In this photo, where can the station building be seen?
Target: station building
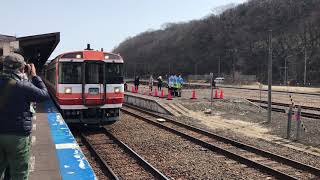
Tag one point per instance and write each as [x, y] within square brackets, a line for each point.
[36, 49]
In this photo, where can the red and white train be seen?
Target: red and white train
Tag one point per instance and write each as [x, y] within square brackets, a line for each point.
[87, 86]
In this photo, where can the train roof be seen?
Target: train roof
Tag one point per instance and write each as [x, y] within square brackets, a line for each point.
[87, 55]
[90, 55]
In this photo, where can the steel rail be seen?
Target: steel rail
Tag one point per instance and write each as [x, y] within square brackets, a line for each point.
[146, 165]
[217, 149]
[267, 154]
[284, 104]
[103, 164]
[277, 91]
[303, 114]
[276, 109]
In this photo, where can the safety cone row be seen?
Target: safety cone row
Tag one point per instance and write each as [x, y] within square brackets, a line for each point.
[221, 96]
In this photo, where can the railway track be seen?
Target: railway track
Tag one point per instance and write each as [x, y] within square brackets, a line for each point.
[283, 107]
[267, 162]
[116, 159]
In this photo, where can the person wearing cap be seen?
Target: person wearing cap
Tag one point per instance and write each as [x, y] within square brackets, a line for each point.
[16, 119]
[160, 82]
[151, 83]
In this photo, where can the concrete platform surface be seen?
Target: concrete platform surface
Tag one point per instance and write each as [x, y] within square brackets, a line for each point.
[55, 153]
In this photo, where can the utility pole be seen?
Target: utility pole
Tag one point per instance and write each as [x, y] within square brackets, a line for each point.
[305, 66]
[305, 56]
[219, 70]
[270, 76]
[233, 66]
[134, 72]
[285, 72]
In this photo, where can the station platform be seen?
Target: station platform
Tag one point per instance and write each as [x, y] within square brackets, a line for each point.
[159, 104]
[55, 153]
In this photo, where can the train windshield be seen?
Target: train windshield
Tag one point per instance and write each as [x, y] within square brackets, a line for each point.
[114, 73]
[69, 73]
[94, 73]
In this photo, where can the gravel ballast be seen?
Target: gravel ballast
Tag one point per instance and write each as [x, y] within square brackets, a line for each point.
[177, 157]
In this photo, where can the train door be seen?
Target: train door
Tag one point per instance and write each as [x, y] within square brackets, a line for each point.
[93, 88]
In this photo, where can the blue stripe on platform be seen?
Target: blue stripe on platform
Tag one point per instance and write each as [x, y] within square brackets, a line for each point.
[72, 162]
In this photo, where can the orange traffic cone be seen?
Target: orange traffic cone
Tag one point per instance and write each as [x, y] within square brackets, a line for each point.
[193, 95]
[162, 94]
[216, 95]
[221, 94]
[156, 93]
[169, 95]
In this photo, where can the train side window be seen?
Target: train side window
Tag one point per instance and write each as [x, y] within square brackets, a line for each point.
[70, 73]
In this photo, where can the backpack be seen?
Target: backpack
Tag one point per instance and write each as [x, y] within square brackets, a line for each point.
[8, 83]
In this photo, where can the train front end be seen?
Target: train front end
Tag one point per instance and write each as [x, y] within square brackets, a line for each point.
[90, 88]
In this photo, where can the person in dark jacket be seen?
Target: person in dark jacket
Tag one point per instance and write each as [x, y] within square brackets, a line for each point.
[136, 83]
[16, 95]
[160, 82]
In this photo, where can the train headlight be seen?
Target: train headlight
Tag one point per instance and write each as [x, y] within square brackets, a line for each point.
[68, 90]
[117, 89]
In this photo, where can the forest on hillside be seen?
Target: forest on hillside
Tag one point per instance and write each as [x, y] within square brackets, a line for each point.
[237, 39]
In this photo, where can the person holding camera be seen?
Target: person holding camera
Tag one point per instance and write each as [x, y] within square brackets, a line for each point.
[16, 95]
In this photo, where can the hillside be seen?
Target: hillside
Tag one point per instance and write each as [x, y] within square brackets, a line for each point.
[239, 38]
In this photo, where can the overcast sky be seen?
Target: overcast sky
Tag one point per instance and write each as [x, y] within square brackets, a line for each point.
[102, 23]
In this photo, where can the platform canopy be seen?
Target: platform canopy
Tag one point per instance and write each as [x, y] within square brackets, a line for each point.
[38, 48]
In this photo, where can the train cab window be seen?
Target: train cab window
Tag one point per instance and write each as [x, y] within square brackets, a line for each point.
[114, 73]
[114, 69]
[94, 73]
[70, 73]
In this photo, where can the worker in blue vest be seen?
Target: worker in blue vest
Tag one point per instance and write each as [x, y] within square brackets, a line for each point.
[170, 84]
[179, 85]
[175, 85]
